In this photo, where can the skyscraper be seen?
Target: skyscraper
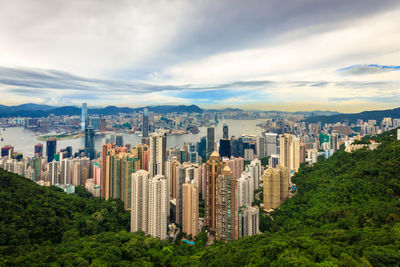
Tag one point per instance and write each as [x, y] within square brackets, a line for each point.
[226, 206]
[214, 168]
[119, 140]
[260, 146]
[38, 151]
[275, 186]
[248, 221]
[236, 165]
[158, 143]
[190, 210]
[158, 206]
[225, 131]
[119, 167]
[145, 123]
[210, 140]
[51, 148]
[270, 143]
[139, 206]
[290, 152]
[90, 152]
[105, 149]
[225, 148]
[84, 117]
[180, 180]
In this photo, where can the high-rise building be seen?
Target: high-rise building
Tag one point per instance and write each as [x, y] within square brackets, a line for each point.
[210, 140]
[248, 221]
[119, 167]
[158, 206]
[202, 148]
[255, 169]
[51, 148]
[119, 140]
[145, 123]
[140, 150]
[192, 153]
[37, 168]
[54, 168]
[38, 151]
[84, 117]
[190, 210]
[290, 152]
[275, 186]
[227, 209]
[214, 168]
[139, 206]
[260, 146]
[245, 189]
[90, 151]
[105, 149]
[103, 126]
[225, 148]
[180, 180]
[6, 150]
[158, 143]
[236, 165]
[95, 122]
[225, 131]
[170, 172]
[270, 143]
[66, 171]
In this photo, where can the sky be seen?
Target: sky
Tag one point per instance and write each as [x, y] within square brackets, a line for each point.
[294, 55]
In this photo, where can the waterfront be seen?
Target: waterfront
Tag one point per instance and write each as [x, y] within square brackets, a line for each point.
[23, 140]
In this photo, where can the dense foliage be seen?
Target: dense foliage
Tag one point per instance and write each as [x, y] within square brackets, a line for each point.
[346, 213]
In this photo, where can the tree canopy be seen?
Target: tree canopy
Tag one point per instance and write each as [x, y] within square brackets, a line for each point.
[346, 213]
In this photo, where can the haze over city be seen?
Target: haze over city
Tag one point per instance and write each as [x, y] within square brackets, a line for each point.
[263, 55]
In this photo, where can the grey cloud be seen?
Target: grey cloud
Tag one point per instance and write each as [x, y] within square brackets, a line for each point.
[222, 26]
[367, 69]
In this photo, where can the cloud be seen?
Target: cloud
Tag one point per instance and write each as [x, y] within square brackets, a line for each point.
[367, 69]
[204, 52]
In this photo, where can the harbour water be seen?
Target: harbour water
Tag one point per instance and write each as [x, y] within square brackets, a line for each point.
[23, 140]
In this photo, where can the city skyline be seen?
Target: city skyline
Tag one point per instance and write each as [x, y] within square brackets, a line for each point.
[302, 56]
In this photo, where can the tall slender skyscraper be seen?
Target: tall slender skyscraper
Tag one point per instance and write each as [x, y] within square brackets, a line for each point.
[90, 152]
[158, 148]
[270, 144]
[145, 123]
[51, 148]
[190, 211]
[38, 150]
[290, 152]
[260, 146]
[225, 131]
[139, 206]
[214, 168]
[119, 140]
[227, 209]
[210, 140]
[105, 149]
[158, 206]
[84, 117]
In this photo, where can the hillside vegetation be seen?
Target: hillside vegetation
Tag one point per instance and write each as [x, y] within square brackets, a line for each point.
[346, 213]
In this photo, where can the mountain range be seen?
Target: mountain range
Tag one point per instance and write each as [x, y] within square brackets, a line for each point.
[377, 115]
[35, 110]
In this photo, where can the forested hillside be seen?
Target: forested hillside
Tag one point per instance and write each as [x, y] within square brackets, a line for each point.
[346, 213]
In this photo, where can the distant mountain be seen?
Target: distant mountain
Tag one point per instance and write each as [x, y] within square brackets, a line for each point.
[36, 111]
[224, 110]
[318, 113]
[353, 117]
[28, 106]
